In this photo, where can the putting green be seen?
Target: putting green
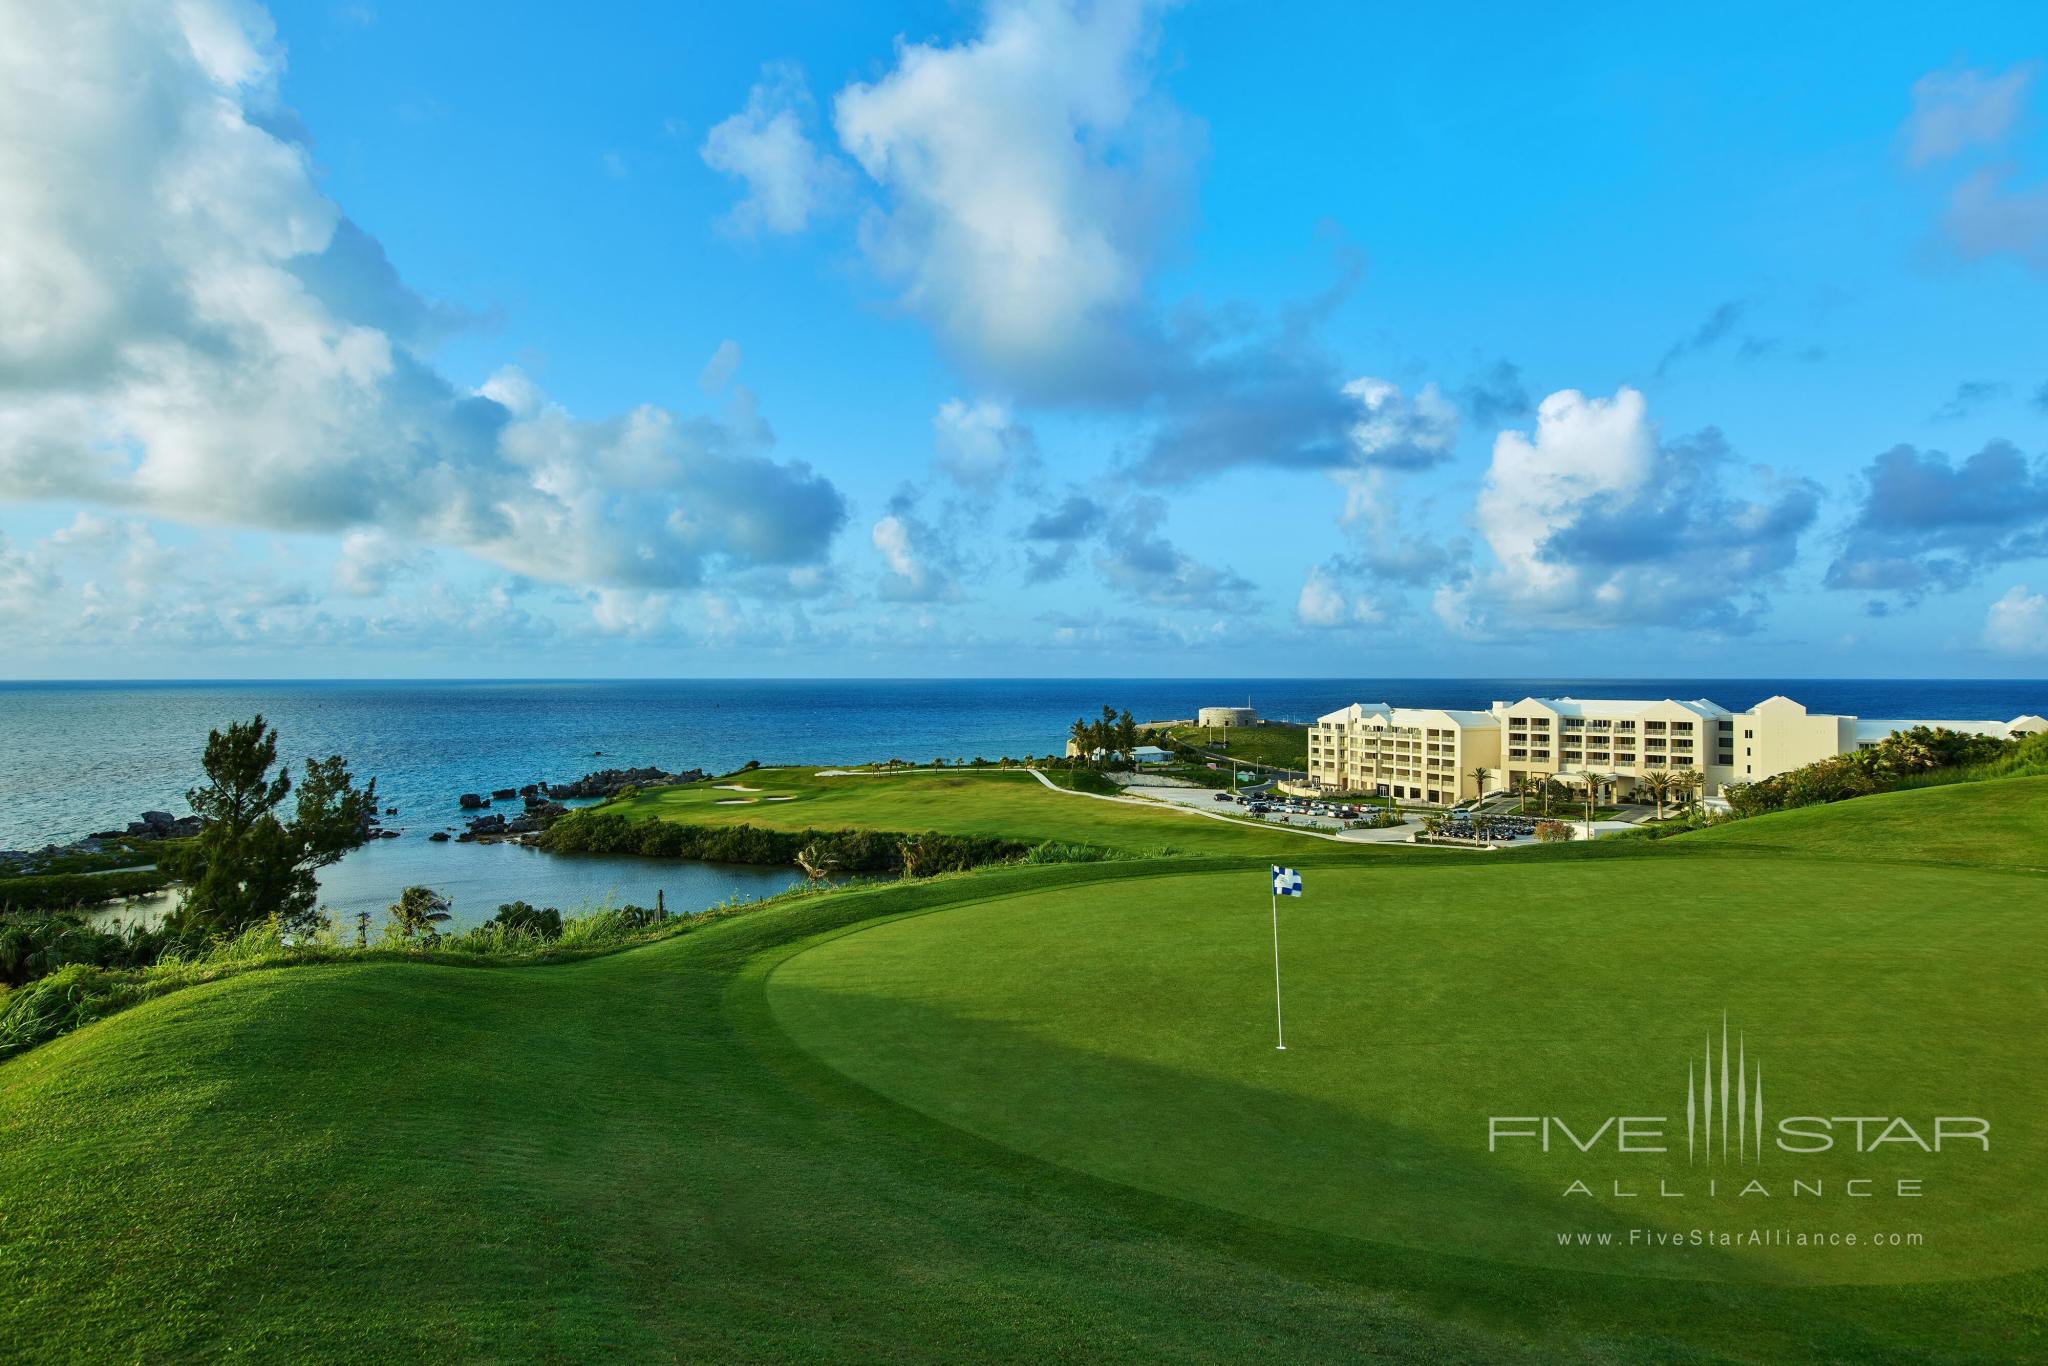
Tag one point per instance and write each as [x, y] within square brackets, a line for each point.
[1126, 1030]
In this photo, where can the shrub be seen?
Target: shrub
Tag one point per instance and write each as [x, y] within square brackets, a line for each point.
[69, 891]
[844, 851]
[1553, 832]
[524, 917]
[1062, 851]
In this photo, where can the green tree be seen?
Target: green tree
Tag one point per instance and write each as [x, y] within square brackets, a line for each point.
[1657, 782]
[248, 864]
[418, 914]
[1083, 736]
[1479, 777]
[1685, 785]
[1127, 734]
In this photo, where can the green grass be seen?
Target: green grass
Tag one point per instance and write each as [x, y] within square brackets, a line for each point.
[1419, 1005]
[1033, 1113]
[1008, 804]
[2002, 823]
[1281, 746]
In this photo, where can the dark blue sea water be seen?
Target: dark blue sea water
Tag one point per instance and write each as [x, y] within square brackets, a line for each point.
[76, 757]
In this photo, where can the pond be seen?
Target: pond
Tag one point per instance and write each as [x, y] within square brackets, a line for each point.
[478, 878]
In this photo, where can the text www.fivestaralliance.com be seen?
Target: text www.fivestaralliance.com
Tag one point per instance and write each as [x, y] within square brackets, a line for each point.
[1738, 1238]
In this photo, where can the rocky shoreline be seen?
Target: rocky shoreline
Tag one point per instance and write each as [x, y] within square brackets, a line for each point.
[540, 804]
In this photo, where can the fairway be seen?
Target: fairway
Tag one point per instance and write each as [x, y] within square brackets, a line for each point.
[1423, 1000]
[1009, 804]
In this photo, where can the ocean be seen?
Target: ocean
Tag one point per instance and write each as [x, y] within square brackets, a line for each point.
[78, 757]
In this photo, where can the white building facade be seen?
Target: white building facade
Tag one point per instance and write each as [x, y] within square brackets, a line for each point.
[1442, 756]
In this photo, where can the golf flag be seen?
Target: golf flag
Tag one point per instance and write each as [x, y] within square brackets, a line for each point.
[1286, 882]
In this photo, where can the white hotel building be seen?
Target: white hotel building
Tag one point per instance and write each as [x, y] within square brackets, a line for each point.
[1437, 756]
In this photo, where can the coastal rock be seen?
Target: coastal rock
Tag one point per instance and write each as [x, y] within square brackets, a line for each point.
[439, 837]
[504, 794]
[612, 781]
[470, 801]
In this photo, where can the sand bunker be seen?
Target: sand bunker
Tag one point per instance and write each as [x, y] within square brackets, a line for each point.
[735, 787]
[733, 801]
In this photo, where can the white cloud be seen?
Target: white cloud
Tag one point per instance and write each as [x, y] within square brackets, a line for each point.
[1960, 107]
[194, 331]
[918, 562]
[1030, 171]
[789, 182]
[980, 444]
[719, 370]
[1395, 431]
[1324, 603]
[370, 559]
[1595, 522]
[1989, 216]
[1583, 448]
[619, 611]
[2018, 622]
[1138, 558]
[1992, 210]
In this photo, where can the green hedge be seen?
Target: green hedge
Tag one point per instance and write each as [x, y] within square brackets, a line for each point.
[64, 891]
[846, 851]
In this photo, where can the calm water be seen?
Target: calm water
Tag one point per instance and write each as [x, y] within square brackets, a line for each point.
[76, 757]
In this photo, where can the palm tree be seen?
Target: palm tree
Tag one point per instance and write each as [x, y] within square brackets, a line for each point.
[1657, 782]
[1080, 735]
[1685, 785]
[1592, 781]
[1479, 777]
[419, 912]
[816, 863]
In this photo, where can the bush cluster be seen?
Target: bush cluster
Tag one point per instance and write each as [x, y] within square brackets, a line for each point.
[66, 891]
[33, 946]
[1892, 762]
[843, 851]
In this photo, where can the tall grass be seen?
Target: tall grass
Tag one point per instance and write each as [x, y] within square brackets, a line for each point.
[79, 993]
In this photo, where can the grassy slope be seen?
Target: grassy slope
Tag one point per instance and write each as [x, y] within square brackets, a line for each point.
[625, 1157]
[1280, 745]
[613, 1159]
[973, 802]
[2003, 824]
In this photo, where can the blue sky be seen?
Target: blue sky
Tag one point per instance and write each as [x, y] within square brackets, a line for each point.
[1033, 338]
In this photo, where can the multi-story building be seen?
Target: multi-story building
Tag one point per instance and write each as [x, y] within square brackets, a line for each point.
[1616, 741]
[1440, 756]
[1421, 754]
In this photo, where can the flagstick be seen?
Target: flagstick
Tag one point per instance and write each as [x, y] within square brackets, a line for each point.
[1279, 1020]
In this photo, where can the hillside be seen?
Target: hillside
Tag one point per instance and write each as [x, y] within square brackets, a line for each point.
[1035, 1112]
[2002, 823]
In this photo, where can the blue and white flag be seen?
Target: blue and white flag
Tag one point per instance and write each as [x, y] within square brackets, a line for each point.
[1286, 882]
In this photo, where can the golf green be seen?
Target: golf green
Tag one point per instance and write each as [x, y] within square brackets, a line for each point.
[1127, 1030]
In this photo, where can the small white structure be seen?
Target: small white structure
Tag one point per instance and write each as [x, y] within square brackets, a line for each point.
[1151, 754]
